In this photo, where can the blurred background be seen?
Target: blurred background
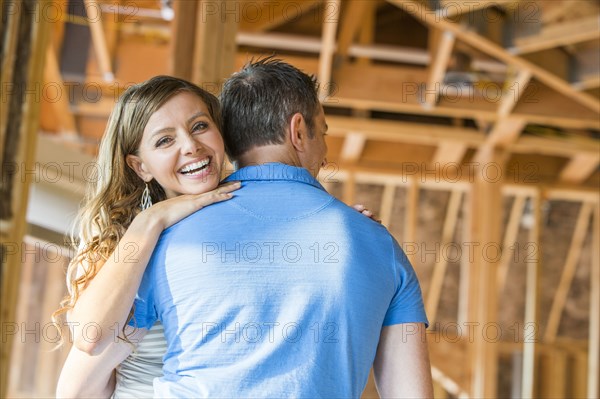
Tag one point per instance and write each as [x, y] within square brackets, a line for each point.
[471, 128]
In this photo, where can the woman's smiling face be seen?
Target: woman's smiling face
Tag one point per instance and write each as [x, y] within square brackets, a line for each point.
[181, 147]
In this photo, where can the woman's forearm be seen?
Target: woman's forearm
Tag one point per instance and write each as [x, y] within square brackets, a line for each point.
[104, 305]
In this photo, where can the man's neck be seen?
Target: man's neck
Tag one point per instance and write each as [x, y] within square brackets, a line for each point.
[267, 154]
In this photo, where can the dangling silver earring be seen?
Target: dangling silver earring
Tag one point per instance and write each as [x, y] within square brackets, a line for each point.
[146, 199]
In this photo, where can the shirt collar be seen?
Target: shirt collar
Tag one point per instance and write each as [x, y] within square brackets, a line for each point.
[273, 172]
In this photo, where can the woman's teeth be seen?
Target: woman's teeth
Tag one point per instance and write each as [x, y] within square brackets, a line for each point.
[195, 168]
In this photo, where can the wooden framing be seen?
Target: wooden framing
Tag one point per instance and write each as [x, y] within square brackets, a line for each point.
[532, 299]
[494, 50]
[330, 22]
[563, 34]
[568, 272]
[99, 41]
[11, 264]
[510, 238]
[214, 46]
[439, 271]
[437, 68]
[593, 390]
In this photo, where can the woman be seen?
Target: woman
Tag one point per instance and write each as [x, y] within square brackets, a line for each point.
[162, 146]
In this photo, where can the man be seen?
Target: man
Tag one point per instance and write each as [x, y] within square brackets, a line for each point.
[282, 291]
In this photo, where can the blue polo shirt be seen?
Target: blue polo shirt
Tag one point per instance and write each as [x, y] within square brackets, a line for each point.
[280, 292]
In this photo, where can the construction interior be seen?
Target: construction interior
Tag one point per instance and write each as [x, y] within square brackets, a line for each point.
[472, 129]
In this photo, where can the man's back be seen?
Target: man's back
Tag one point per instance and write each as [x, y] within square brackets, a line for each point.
[279, 292]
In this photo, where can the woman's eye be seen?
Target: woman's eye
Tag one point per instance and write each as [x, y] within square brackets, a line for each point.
[163, 141]
[199, 127]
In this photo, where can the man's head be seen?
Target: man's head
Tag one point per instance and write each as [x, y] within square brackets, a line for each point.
[272, 104]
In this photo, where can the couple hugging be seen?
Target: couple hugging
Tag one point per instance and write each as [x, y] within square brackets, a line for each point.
[276, 289]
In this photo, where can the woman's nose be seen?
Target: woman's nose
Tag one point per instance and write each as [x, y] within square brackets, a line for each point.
[189, 146]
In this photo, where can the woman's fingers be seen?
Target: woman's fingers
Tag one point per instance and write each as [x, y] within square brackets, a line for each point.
[361, 208]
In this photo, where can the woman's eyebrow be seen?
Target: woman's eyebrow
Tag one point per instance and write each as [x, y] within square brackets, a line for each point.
[168, 129]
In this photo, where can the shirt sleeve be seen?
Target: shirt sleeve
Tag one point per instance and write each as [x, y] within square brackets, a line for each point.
[407, 304]
[144, 309]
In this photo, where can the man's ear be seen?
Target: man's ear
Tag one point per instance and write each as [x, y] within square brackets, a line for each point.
[298, 132]
[136, 163]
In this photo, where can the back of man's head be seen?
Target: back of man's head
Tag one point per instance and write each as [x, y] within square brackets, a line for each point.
[258, 102]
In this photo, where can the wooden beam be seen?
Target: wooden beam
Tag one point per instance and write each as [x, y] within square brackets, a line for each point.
[263, 16]
[330, 23]
[449, 152]
[353, 146]
[387, 204]
[437, 68]
[579, 168]
[532, 305]
[394, 89]
[99, 41]
[451, 8]
[513, 90]
[439, 269]
[510, 240]
[593, 390]
[559, 34]
[566, 277]
[353, 17]
[494, 50]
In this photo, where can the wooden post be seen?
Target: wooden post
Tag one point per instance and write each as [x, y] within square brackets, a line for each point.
[182, 43]
[594, 335]
[33, 34]
[485, 225]
[410, 216]
[532, 304]
[331, 17]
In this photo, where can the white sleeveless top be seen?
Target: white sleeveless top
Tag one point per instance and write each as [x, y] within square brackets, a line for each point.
[136, 374]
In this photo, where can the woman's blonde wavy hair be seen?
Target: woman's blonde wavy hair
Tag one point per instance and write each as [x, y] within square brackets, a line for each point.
[113, 200]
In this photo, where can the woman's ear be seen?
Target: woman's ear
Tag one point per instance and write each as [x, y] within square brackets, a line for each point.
[298, 132]
[137, 165]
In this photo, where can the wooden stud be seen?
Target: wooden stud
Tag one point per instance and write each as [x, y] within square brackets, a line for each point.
[481, 43]
[61, 106]
[510, 240]
[566, 277]
[439, 270]
[387, 204]
[99, 41]
[532, 305]
[330, 22]
[350, 189]
[594, 334]
[366, 35]
[411, 214]
[437, 69]
[8, 61]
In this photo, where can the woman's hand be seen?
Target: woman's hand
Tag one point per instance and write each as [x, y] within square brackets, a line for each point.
[366, 212]
[168, 212]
